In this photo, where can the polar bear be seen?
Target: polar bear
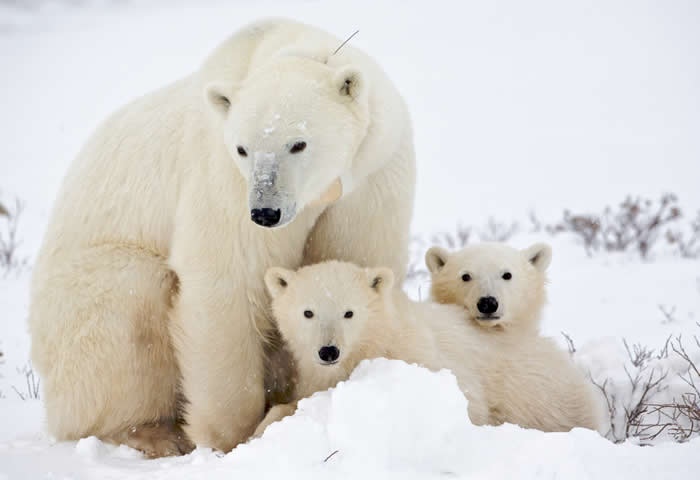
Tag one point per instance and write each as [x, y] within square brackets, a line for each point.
[333, 315]
[148, 309]
[500, 287]
[530, 381]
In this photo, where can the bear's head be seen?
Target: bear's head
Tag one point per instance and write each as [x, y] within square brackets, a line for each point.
[322, 310]
[292, 128]
[499, 286]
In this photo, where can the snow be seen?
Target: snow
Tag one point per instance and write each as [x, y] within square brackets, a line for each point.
[389, 420]
[516, 106]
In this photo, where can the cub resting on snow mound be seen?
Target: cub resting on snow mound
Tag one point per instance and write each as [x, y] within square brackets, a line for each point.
[334, 315]
[529, 380]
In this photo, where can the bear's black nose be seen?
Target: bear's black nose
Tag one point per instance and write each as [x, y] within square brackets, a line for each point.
[265, 217]
[329, 354]
[487, 305]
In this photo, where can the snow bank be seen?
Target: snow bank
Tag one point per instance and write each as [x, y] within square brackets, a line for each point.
[389, 420]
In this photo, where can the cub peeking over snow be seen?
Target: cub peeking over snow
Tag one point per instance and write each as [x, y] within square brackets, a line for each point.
[528, 379]
[499, 286]
[333, 315]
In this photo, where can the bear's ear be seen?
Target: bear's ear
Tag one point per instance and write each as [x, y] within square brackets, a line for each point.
[350, 82]
[436, 258]
[218, 97]
[380, 279]
[539, 255]
[277, 280]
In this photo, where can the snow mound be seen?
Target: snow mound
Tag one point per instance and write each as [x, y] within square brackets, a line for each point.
[394, 420]
[388, 416]
[389, 420]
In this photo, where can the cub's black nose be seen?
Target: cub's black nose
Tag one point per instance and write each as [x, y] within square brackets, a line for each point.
[329, 354]
[265, 217]
[487, 305]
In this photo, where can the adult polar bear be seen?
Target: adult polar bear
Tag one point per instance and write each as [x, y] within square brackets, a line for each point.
[149, 282]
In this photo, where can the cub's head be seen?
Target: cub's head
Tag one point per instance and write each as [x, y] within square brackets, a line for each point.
[292, 128]
[322, 310]
[498, 285]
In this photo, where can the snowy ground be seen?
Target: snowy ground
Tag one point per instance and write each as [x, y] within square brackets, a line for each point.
[516, 106]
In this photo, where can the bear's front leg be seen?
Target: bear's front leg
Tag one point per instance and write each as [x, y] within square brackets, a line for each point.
[276, 413]
[221, 360]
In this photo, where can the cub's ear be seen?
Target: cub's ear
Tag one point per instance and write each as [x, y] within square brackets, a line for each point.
[277, 280]
[350, 82]
[539, 255]
[218, 97]
[380, 279]
[436, 258]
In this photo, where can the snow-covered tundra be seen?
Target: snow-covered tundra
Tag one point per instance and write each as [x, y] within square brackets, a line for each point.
[149, 283]
[335, 314]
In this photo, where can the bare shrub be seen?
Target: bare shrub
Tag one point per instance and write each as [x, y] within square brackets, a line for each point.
[636, 410]
[495, 231]
[626, 405]
[32, 386]
[569, 343]
[688, 246]
[585, 226]
[9, 243]
[668, 313]
[536, 225]
[459, 238]
[636, 223]
[680, 418]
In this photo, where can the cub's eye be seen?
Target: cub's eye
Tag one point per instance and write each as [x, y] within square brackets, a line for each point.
[348, 314]
[298, 147]
[308, 313]
[241, 151]
[507, 276]
[466, 277]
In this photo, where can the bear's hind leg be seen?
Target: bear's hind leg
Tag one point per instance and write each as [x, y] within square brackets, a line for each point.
[160, 439]
[100, 340]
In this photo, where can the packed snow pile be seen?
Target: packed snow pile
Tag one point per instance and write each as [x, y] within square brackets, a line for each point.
[389, 420]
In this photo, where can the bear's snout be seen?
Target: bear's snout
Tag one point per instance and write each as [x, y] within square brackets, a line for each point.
[487, 305]
[266, 217]
[329, 354]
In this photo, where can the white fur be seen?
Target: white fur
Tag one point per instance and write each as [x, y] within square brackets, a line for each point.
[385, 323]
[527, 381]
[520, 298]
[149, 280]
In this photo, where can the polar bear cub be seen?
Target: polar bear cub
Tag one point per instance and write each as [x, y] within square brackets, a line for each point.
[500, 287]
[333, 315]
[528, 379]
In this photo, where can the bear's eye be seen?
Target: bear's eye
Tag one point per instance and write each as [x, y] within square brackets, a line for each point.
[466, 277]
[507, 276]
[241, 151]
[298, 147]
[348, 314]
[308, 314]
